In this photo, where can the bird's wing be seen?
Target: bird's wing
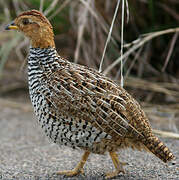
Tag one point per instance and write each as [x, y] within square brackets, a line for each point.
[84, 94]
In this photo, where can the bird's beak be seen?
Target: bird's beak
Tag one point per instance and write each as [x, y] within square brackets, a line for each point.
[11, 26]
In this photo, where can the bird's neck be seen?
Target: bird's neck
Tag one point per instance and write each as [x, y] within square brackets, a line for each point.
[45, 59]
[43, 43]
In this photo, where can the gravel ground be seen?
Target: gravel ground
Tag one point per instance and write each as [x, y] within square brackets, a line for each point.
[25, 153]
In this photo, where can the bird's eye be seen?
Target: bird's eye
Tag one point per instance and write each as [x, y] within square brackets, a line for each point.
[25, 21]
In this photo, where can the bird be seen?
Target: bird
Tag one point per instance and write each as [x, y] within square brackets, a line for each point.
[79, 107]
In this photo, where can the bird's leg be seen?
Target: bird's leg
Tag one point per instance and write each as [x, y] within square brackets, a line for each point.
[79, 168]
[117, 164]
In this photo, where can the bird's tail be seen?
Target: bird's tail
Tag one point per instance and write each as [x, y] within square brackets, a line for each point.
[158, 148]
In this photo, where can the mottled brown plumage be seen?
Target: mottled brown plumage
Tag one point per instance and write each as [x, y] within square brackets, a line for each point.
[80, 107]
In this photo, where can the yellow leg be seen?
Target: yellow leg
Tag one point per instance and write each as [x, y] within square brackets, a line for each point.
[117, 164]
[79, 168]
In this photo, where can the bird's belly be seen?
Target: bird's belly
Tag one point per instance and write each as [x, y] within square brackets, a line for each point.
[66, 130]
[76, 134]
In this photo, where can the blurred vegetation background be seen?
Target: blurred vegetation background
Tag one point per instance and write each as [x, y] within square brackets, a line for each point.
[151, 70]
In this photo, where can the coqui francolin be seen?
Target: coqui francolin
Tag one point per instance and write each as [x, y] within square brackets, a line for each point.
[79, 107]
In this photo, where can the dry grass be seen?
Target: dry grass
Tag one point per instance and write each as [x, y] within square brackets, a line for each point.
[82, 27]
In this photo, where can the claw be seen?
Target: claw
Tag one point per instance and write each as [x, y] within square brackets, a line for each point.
[78, 169]
[118, 165]
[114, 174]
[71, 173]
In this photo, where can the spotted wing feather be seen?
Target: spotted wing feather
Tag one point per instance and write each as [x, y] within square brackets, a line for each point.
[88, 95]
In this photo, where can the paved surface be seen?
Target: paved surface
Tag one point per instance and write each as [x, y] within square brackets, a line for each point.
[25, 153]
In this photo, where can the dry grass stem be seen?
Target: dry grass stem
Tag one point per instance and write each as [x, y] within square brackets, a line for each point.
[41, 5]
[82, 20]
[11, 87]
[127, 10]
[173, 41]
[138, 43]
[62, 6]
[19, 48]
[166, 134]
[169, 10]
[109, 35]
[98, 18]
[17, 105]
[122, 43]
[16, 6]
[152, 86]
[133, 62]
[51, 7]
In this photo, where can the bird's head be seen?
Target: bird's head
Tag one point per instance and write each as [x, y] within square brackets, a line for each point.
[36, 27]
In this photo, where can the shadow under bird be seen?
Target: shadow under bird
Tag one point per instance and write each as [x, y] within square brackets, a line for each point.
[79, 107]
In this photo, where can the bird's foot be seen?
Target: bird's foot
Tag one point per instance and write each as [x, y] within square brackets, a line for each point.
[114, 173]
[71, 173]
[117, 164]
[78, 169]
